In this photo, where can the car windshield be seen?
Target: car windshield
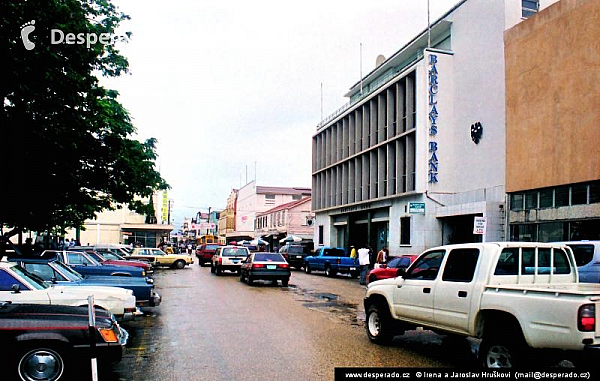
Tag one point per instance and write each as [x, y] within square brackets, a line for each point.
[110, 255]
[34, 281]
[394, 262]
[95, 255]
[211, 247]
[68, 272]
[266, 257]
[234, 252]
[296, 249]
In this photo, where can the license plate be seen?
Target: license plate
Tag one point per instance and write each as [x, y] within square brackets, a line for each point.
[352, 268]
[299, 256]
[235, 261]
[271, 267]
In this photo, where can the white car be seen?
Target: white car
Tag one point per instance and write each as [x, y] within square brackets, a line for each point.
[228, 258]
[19, 286]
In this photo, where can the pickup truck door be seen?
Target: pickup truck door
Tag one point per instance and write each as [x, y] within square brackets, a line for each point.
[413, 295]
[454, 291]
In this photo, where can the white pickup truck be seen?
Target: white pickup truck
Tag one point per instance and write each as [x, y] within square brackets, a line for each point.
[515, 296]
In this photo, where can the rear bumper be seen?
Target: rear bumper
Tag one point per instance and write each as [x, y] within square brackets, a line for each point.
[155, 300]
[270, 274]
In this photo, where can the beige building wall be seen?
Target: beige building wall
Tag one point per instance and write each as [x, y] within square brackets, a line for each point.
[553, 97]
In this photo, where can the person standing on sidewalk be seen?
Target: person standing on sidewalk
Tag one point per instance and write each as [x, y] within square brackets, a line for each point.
[363, 260]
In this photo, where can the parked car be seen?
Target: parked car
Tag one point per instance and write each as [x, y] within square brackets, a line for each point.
[587, 257]
[53, 271]
[295, 255]
[50, 342]
[17, 285]
[228, 258]
[518, 297]
[332, 260]
[390, 269]
[265, 266]
[160, 258]
[205, 252]
[84, 264]
[107, 257]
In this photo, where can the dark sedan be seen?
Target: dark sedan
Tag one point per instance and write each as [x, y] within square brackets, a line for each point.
[44, 342]
[265, 266]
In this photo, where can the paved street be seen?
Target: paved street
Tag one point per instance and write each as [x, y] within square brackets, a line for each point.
[217, 328]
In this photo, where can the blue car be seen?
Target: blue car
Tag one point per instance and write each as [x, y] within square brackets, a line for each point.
[54, 271]
[84, 264]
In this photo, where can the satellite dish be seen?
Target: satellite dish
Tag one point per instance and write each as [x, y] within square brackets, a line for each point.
[380, 59]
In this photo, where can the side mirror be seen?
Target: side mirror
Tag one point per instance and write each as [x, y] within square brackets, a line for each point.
[16, 288]
[53, 280]
[401, 272]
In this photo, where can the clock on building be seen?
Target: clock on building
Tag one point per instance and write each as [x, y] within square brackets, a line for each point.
[476, 132]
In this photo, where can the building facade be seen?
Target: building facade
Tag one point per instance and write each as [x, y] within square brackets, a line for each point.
[552, 126]
[227, 217]
[253, 199]
[419, 151]
[292, 218]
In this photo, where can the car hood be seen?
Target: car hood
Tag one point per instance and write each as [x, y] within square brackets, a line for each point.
[97, 291]
[112, 281]
[41, 315]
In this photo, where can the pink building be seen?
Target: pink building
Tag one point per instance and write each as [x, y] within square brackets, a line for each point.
[292, 218]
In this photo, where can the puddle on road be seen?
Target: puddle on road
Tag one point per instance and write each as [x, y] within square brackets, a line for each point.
[338, 310]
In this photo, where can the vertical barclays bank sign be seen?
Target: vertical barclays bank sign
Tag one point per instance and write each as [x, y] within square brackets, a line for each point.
[433, 117]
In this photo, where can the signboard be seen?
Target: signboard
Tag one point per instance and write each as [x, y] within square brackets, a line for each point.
[479, 225]
[416, 207]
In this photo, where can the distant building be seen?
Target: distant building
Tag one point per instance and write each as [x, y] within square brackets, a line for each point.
[253, 199]
[552, 124]
[292, 218]
[227, 217]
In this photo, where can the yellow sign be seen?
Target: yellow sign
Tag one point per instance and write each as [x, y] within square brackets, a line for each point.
[165, 207]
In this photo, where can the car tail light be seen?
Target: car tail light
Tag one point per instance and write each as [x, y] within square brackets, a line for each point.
[257, 265]
[220, 261]
[108, 335]
[586, 318]
[284, 266]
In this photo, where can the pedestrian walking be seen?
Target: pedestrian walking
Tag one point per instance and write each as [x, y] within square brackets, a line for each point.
[363, 261]
[372, 257]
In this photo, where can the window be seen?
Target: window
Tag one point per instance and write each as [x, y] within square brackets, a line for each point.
[269, 199]
[594, 193]
[531, 200]
[546, 198]
[552, 232]
[561, 262]
[460, 266]
[583, 254]
[528, 261]
[579, 194]
[561, 195]
[529, 7]
[296, 197]
[7, 281]
[523, 233]
[404, 230]
[427, 266]
[516, 201]
[320, 234]
[508, 262]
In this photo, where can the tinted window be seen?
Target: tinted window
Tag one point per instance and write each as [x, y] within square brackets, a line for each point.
[234, 252]
[561, 262]
[7, 281]
[460, 266]
[508, 263]
[296, 249]
[268, 257]
[43, 271]
[427, 266]
[528, 263]
[583, 254]
[544, 255]
[394, 263]
[334, 252]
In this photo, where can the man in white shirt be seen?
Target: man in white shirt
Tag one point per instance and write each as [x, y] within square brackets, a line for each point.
[363, 260]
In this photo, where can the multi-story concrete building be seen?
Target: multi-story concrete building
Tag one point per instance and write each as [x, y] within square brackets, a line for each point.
[253, 199]
[227, 217]
[552, 126]
[419, 150]
[292, 218]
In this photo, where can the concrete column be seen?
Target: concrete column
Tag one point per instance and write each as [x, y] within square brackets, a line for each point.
[358, 179]
[381, 172]
[400, 166]
[351, 181]
[410, 102]
[373, 174]
[365, 176]
[366, 126]
[374, 127]
[381, 117]
[351, 133]
[410, 162]
[345, 133]
[391, 168]
[338, 185]
[391, 111]
[401, 106]
[344, 183]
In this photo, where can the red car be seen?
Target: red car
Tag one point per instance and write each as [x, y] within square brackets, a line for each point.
[391, 269]
[99, 256]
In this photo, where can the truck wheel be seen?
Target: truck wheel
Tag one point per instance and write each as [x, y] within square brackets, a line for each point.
[379, 325]
[372, 278]
[496, 354]
[179, 264]
[212, 268]
[354, 274]
[41, 362]
[241, 276]
[217, 270]
[307, 269]
[285, 281]
[329, 272]
[249, 280]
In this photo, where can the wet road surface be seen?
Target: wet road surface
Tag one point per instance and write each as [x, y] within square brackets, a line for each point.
[217, 328]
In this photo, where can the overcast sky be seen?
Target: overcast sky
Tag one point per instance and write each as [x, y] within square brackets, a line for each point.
[228, 86]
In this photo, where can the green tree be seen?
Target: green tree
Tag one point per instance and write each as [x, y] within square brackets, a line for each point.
[67, 147]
